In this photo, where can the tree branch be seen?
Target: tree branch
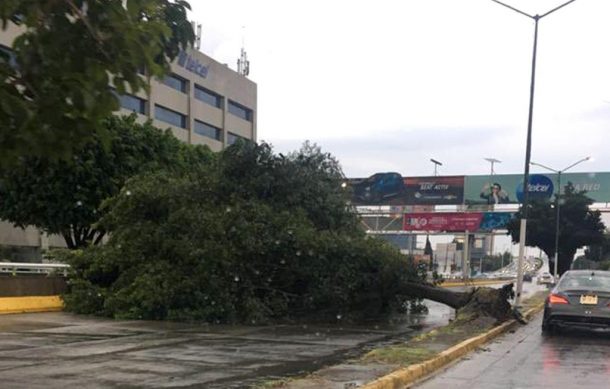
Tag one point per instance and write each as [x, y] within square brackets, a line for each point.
[88, 25]
[99, 238]
[68, 238]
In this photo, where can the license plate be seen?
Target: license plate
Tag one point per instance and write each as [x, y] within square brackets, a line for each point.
[588, 300]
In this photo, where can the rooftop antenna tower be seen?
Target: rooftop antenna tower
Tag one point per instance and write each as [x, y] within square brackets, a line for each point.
[197, 31]
[243, 65]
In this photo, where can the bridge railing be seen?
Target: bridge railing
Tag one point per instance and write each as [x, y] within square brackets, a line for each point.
[15, 268]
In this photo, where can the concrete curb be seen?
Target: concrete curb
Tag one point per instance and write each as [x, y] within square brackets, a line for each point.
[408, 375]
[30, 304]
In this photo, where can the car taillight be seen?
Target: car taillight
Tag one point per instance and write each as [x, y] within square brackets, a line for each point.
[557, 299]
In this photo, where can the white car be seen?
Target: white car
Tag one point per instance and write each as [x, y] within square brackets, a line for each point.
[545, 278]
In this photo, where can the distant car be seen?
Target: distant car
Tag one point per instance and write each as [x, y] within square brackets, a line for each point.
[528, 277]
[580, 299]
[379, 187]
[545, 278]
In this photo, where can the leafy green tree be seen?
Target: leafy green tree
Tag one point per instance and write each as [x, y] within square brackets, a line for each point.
[55, 89]
[599, 252]
[428, 251]
[251, 237]
[64, 196]
[579, 226]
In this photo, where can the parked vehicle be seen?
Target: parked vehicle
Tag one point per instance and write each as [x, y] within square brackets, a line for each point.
[580, 299]
[545, 278]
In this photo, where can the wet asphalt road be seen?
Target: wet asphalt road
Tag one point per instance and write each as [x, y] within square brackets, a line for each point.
[527, 359]
[61, 350]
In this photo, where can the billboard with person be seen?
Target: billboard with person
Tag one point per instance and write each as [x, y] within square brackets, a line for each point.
[508, 188]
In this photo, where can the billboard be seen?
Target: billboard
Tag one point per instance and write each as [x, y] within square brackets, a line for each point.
[508, 188]
[438, 190]
[456, 221]
[393, 189]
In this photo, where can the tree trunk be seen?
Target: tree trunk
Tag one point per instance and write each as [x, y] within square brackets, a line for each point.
[445, 296]
[565, 261]
[479, 302]
[81, 237]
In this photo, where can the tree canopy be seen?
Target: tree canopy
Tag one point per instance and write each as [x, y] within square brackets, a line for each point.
[579, 226]
[55, 87]
[250, 237]
[64, 196]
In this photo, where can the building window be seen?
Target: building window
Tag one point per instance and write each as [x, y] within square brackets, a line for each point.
[176, 82]
[240, 111]
[11, 56]
[232, 138]
[208, 97]
[168, 116]
[133, 103]
[207, 130]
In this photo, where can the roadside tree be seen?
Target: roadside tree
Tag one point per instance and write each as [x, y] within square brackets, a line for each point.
[55, 85]
[579, 226]
[64, 196]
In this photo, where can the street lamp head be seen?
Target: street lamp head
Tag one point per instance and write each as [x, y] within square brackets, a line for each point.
[434, 161]
[492, 160]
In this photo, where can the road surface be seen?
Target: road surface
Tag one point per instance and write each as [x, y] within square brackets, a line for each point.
[61, 350]
[527, 359]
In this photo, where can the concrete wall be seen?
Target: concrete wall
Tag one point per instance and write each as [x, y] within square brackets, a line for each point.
[31, 285]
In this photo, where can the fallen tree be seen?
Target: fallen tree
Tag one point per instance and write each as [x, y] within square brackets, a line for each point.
[478, 301]
[251, 237]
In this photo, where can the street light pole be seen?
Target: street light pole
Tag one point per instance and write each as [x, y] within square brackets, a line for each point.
[528, 148]
[491, 235]
[492, 161]
[558, 206]
[436, 164]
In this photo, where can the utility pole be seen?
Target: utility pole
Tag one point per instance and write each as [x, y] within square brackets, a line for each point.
[528, 148]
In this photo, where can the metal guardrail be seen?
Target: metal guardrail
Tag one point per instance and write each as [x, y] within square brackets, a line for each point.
[15, 268]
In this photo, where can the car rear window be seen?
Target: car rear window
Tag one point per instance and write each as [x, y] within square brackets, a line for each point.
[585, 281]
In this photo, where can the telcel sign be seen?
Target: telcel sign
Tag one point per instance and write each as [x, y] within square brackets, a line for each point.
[192, 64]
[539, 187]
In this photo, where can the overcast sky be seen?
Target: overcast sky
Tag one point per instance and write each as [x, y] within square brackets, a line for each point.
[387, 85]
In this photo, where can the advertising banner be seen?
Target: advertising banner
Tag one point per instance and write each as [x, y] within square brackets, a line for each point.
[508, 188]
[439, 190]
[456, 221]
[393, 189]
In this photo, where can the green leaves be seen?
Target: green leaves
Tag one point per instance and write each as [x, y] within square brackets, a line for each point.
[249, 237]
[579, 226]
[56, 96]
[64, 197]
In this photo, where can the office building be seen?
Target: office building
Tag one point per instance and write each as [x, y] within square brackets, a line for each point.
[201, 101]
